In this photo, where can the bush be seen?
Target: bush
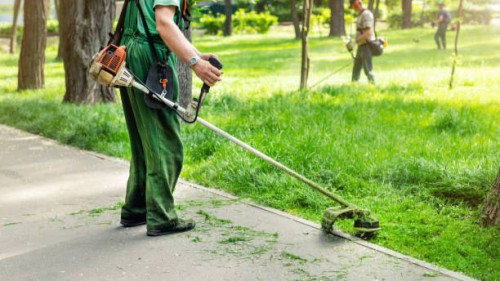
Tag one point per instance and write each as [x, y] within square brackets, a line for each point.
[53, 27]
[251, 22]
[243, 22]
[477, 16]
[470, 16]
[6, 28]
[212, 25]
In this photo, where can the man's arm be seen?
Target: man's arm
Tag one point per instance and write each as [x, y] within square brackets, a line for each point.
[365, 35]
[177, 43]
[440, 18]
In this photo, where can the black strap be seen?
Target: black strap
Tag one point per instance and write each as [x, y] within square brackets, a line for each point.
[186, 15]
[148, 34]
[117, 36]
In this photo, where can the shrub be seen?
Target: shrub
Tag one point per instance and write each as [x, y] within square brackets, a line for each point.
[243, 22]
[211, 24]
[6, 29]
[251, 22]
[53, 27]
[470, 16]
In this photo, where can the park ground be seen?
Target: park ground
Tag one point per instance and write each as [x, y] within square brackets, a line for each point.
[419, 155]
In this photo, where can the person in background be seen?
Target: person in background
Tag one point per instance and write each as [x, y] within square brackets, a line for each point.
[443, 20]
[364, 33]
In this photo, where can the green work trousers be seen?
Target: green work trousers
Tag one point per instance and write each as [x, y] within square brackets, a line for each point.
[157, 152]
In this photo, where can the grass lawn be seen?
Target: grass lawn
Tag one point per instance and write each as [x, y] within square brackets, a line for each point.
[419, 156]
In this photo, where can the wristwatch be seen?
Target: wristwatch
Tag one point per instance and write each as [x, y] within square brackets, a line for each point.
[193, 61]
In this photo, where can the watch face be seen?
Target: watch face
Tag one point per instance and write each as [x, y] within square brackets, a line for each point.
[192, 61]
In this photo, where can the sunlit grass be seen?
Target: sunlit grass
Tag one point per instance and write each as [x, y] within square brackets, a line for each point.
[421, 157]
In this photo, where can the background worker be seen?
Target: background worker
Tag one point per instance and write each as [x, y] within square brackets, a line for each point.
[364, 33]
[157, 152]
[443, 20]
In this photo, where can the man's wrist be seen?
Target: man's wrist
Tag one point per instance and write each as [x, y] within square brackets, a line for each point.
[194, 60]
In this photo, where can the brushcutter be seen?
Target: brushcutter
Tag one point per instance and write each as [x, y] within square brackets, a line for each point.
[108, 68]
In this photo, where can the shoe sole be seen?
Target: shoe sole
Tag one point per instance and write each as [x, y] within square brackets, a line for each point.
[167, 232]
[132, 224]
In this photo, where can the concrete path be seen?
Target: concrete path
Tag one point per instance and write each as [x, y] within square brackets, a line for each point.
[59, 220]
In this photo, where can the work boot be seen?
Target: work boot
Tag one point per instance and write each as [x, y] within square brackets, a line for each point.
[179, 226]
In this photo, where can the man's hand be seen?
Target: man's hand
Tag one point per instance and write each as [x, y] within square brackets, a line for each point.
[208, 73]
[206, 56]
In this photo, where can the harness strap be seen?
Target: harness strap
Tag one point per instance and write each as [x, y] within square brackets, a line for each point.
[186, 15]
[148, 34]
[117, 36]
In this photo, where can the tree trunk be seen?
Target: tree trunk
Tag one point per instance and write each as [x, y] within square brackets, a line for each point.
[491, 213]
[337, 23]
[375, 15]
[260, 6]
[228, 24]
[13, 38]
[306, 23]
[295, 18]
[454, 63]
[406, 7]
[59, 16]
[83, 33]
[185, 78]
[32, 57]
[370, 5]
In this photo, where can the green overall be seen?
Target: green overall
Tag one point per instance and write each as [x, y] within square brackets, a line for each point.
[157, 152]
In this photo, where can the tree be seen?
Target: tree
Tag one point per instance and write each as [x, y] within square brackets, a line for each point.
[455, 55]
[295, 18]
[370, 5]
[306, 23]
[406, 6]
[376, 14]
[82, 34]
[57, 4]
[32, 57]
[491, 213]
[13, 38]
[185, 77]
[228, 24]
[337, 23]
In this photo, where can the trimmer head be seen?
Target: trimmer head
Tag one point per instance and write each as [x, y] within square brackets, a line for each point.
[364, 224]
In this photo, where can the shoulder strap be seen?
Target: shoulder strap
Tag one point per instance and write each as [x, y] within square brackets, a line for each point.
[117, 36]
[186, 15]
[148, 33]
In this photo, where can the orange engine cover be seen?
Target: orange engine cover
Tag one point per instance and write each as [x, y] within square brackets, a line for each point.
[112, 57]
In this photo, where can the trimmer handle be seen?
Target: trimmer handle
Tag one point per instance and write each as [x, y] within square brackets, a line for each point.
[215, 62]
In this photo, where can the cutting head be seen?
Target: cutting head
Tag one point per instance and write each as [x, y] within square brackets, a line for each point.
[364, 224]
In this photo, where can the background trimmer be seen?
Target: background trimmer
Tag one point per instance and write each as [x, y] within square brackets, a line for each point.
[108, 67]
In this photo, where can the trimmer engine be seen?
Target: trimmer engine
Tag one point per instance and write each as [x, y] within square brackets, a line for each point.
[108, 68]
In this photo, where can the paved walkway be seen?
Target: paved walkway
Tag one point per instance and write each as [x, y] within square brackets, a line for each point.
[59, 220]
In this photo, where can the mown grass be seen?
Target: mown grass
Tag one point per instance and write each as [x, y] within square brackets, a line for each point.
[420, 156]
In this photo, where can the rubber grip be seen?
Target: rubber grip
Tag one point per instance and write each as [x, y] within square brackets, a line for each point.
[215, 62]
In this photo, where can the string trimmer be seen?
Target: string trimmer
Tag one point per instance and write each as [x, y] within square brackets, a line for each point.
[108, 67]
[349, 44]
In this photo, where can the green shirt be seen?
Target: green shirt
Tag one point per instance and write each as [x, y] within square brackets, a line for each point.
[148, 7]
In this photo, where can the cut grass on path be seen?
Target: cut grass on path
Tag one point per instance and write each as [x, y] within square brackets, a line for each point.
[419, 156]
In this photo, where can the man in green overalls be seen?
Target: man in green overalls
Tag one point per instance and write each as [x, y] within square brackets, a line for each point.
[157, 152]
